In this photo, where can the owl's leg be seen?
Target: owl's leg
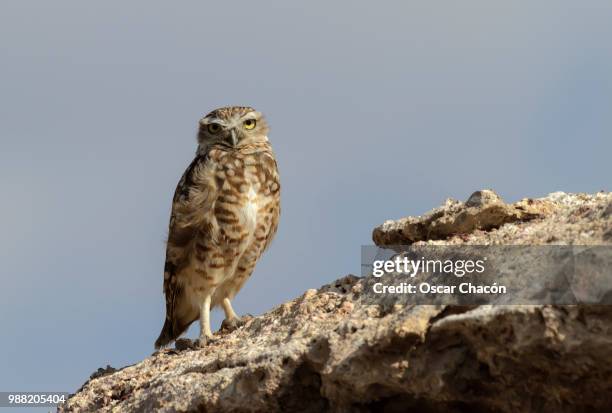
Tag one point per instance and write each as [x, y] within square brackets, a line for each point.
[229, 311]
[206, 335]
[232, 321]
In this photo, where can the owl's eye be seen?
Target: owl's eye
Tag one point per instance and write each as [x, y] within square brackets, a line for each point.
[214, 128]
[249, 123]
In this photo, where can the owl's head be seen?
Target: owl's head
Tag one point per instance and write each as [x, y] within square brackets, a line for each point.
[232, 127]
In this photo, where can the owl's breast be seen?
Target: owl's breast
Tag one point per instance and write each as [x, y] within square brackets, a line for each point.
[250, 209]
[248, 187]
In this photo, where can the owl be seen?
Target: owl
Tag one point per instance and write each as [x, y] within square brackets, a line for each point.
[225, 213]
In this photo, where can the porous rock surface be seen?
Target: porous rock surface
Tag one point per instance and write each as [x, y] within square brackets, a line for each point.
[343, 348]
[485, 219]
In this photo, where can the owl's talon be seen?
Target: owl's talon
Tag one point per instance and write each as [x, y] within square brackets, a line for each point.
[181, 344]
[235, 323]
[204, 341]
[232, 324]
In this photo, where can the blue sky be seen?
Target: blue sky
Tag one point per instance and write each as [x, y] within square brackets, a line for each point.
[377, 111]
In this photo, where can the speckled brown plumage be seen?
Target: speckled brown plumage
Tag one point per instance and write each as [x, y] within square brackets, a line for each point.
[225, 213]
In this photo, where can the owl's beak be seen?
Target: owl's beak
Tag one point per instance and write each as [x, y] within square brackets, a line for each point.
[234, 138]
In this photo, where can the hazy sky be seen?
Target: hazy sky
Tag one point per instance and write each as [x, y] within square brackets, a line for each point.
[378, 110]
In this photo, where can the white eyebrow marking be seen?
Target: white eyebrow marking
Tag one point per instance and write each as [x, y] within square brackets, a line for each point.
[208, 121]
[251, 115]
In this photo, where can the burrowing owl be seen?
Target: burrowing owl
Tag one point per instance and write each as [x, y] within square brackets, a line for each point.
[224, 214]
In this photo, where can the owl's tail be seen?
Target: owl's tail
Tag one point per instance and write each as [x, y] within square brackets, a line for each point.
[176, 324]
[166, 335]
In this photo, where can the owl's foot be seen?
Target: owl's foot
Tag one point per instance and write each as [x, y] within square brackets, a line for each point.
[234, 323]
[181, 344]
[204, 341]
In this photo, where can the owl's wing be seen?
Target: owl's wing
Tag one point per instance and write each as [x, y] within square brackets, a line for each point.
[189, 205]
[271, 171]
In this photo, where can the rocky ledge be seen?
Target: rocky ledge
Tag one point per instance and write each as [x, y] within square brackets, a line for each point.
[342, 348]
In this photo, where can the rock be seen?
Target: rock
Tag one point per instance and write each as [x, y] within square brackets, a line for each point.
[102, 371]
[485, 211]
[482, 198]
[342, 348]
